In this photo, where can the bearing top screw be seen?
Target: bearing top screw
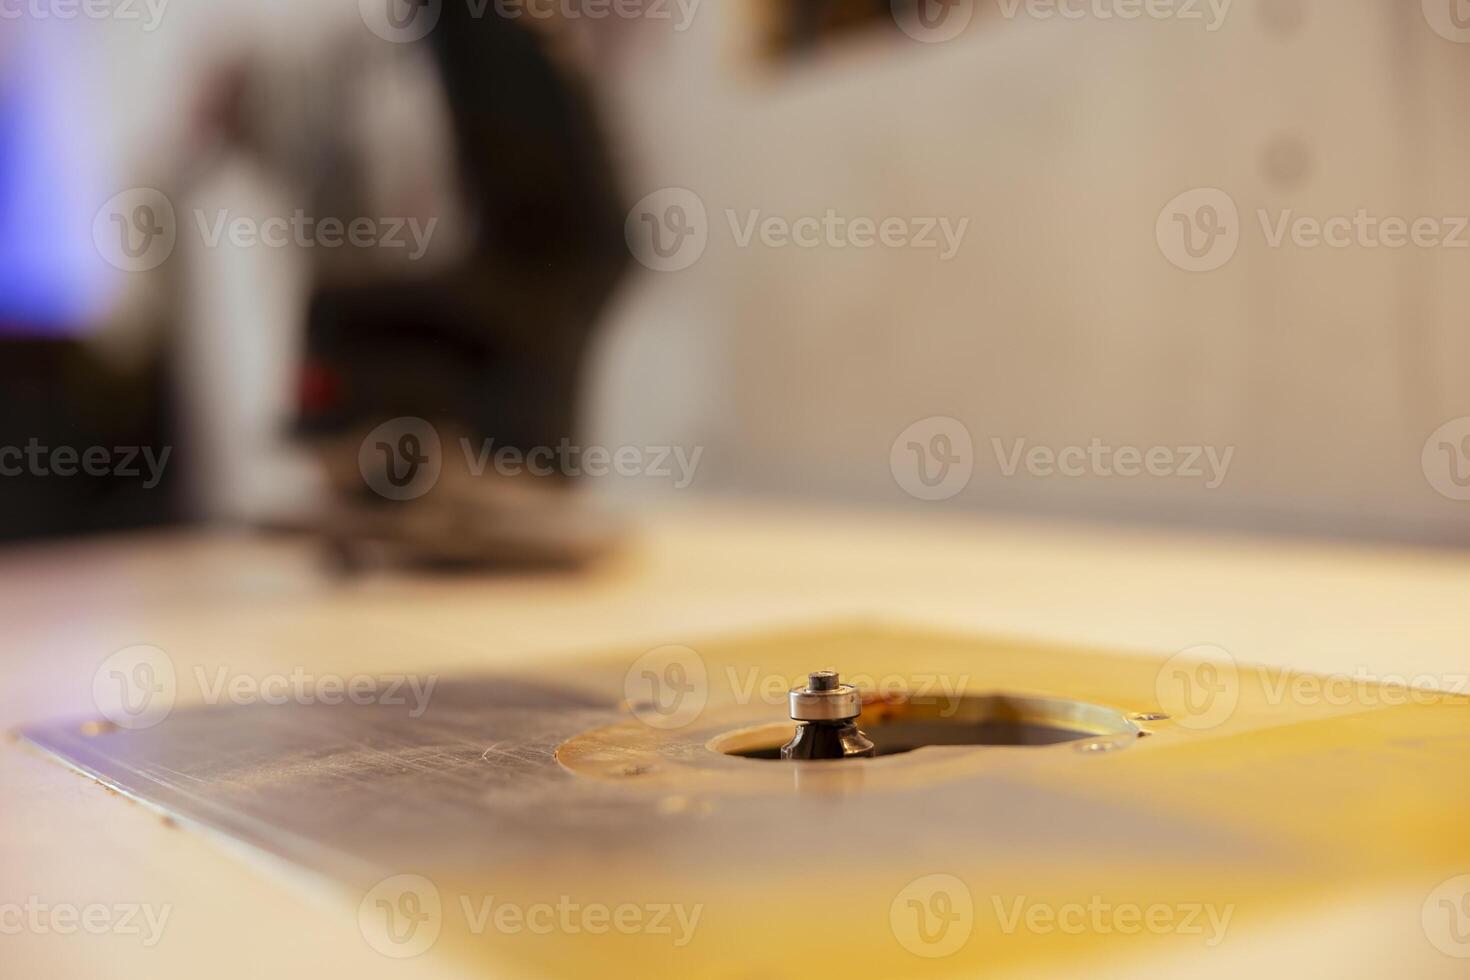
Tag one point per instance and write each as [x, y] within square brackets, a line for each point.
[822, 680]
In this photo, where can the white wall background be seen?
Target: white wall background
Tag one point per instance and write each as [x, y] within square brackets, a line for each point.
[1060, 320]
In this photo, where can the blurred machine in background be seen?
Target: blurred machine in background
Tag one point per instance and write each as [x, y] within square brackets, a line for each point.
[485, 340]
[489, 349]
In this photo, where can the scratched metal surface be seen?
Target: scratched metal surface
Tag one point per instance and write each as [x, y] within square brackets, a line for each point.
[347, 789]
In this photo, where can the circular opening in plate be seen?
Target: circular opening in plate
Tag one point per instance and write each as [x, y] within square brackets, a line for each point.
[898, 725]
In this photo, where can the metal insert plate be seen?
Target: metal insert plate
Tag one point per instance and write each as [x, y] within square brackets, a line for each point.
[601, 786]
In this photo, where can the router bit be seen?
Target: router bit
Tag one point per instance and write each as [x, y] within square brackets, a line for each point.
[825, 712]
